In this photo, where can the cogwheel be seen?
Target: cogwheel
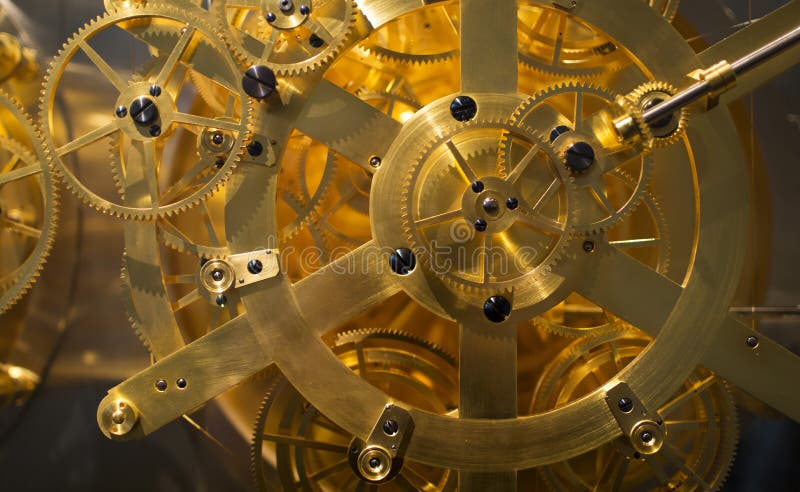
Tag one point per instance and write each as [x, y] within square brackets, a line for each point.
[557, 44]
[29, 204]
[704, 452]
[292, 441]
[291, 39]
[153, 102]
[604, 198]
[536, 226]
[117, 5]
[425, 36]
[669, 130]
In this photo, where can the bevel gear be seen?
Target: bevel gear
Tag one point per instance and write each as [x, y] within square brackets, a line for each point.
[154, 105]
[534, 230]
[308, 447]
[29, 203]
[289, 36]
[700, 421]
[670, 129]
[605, 197]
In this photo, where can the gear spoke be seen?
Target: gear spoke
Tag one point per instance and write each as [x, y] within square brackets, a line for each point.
[361, 131]
[647, 301]
[104, 131]
[21, 173]
[205, 122]
[330, 470]
[756, 364]
[489, 46]
[21, 228]
[523, 164]
[305, 443]
[103, 66]
[463, 165]
[440, 218]
[175, 57]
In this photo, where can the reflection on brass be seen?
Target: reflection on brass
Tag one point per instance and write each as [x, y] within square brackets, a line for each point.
[576, 259]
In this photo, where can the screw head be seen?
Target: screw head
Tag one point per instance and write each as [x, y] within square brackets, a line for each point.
[463, 108]
[646, 436]
[122, 112]
[391, 427]
[490, 206]
[180, 383]
[305, 9]
[271, 17]
[752, 341]
[480, 225]
[286, 6]
[218, 138]
[625, 404]
[155, 90]
[374, 462]
[255, 148]
[161, 385]
[221, 300]
[402, 261]
[255, 267]
[497, 309]
[217, 275]
[155, 131]
[477, 186]
[316, 41]
[512, 203]
[588, 246]
[259, 82]
[558, 131]
[580, 156]
[375, 161]
[143, 110]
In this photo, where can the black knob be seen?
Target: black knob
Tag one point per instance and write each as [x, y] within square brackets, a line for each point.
[143, 110]
[402, 261]
[497, 309]
[580, 156]
[463, 108]
[259, 82]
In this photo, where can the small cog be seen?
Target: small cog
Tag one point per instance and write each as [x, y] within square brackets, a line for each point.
[670, 129]
[145, 116]
[292, 37]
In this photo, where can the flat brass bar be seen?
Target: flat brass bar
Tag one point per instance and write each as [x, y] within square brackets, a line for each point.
[757, 365]
[489, 46]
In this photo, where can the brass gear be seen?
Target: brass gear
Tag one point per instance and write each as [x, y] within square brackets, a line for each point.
[296, 41]
[700, 422]
[308, 448]
[117, 5]
[674, 127]
[473, 276]
[145, 142]
[29, 203]
[604, 198]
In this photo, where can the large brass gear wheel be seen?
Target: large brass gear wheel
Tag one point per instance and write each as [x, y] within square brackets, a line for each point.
[28, 203]
[146, 117]
[700, 420]
[605, 196]
[310, 452]
[290, 37]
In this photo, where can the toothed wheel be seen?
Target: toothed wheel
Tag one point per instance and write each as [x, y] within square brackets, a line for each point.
[309, 452]
[115, 5]
[28, 204]
[603, 167]
[700, 421]
[292, 37]
[669, 129]
[421, 37]
[147, 116]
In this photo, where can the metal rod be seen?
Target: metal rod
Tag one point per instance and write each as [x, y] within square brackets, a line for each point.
[741, 66]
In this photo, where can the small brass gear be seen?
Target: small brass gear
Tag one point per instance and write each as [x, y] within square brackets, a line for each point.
[672, 128]
[605, 195]
[700, 420]
[292, 37]
[536, 226]
[144, 140]
[306, 449]
[29, 204]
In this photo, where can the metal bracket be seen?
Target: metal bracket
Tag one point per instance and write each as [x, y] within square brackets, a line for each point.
[643, 431]
[720, 77]
[380, 458]
[255, 266]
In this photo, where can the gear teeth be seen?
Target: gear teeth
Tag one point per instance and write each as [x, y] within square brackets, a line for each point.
[130, 309]
[59, 63]
[386, 55]
[26, 275]
[361, 334]
[297, 69]
[637, 96]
